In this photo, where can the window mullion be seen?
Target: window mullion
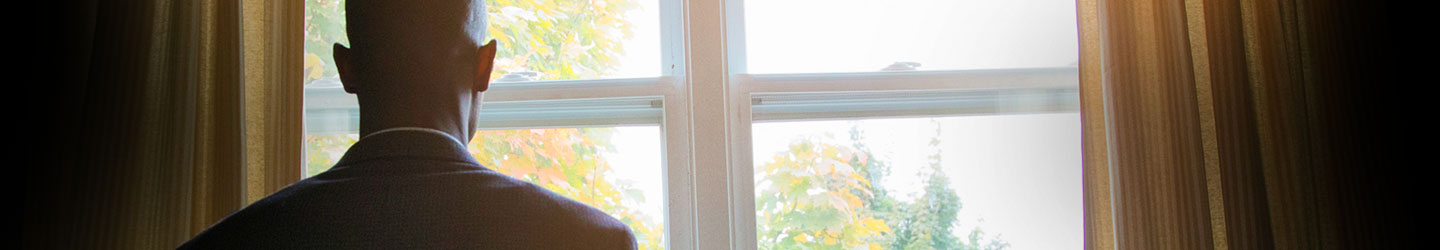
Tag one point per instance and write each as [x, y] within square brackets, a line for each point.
[711, 125]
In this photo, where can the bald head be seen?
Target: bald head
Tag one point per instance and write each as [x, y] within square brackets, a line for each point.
[397, 22]
[416, 63]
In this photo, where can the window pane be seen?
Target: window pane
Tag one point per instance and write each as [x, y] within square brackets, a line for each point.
[968, 182]
[551, 40]
[615, 169]
[573, 39]
[804, 36]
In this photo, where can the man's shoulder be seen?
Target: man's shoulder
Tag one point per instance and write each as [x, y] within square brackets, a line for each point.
[491, 206]
[585, 225]
[576, 212]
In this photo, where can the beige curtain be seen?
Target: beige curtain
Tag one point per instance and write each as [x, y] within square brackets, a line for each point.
[159, 123]
[274, 113]
[1230, 124]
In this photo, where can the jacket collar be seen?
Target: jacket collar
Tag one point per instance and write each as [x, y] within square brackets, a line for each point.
[406, 143]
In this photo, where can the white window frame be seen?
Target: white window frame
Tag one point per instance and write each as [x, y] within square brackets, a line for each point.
[725, 197]
[705, 103]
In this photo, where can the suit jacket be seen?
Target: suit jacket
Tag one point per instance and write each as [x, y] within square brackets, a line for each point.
[414, 190]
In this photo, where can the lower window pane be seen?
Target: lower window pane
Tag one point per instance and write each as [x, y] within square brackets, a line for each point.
[615, 169]
[970, 182]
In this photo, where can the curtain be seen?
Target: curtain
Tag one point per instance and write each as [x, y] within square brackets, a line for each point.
[1219, 124]
[152, 140]
[273, 94]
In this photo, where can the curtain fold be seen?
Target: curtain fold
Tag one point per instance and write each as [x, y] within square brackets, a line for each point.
[217, 166]
[273, 94]
[1219, 124]
[151, 151]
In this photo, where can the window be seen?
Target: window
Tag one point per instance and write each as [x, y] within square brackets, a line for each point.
[911, 124]
[778, 124]
[575, 105]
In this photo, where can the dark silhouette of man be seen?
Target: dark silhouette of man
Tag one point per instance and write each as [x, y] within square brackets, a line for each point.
[419, 70]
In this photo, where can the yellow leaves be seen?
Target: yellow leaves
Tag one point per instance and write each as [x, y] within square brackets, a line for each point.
[872, 226]
[863, 159]
[554, 176]
[857, 176]
[314, 67]
[566, 161]
[831, 237]
[879, 225]
[850, 199]
[518, 167]
[818, 186]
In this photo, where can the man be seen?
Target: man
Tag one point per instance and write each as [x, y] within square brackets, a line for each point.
[419, 71]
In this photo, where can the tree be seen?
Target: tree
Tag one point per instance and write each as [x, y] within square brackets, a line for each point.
[814, 197]
[926, 223]
[322, 151]
[559, 39]
[568, 161]
[324, 26]
[821, 195]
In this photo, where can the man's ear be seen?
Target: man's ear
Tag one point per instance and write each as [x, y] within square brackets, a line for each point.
[483, 66]
[342, 64]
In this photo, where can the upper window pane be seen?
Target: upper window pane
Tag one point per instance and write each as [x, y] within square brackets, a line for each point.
[966, 182]
[538, 39]
[811, 36]
[575, 39]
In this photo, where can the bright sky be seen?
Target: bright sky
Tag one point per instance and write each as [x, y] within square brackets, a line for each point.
[792, 36]
[795, 36]
[798, 36]
[642, 51]
[636, 161]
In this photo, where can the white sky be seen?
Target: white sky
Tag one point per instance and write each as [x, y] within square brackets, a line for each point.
[636, 161]
[798, 36]
[642, 51]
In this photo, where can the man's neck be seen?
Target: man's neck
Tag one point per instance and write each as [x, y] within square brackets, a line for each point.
[419, 129]
[451, 131]
[434, 111]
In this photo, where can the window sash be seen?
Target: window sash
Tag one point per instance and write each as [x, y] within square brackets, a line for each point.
[705, 105]
[570, 103]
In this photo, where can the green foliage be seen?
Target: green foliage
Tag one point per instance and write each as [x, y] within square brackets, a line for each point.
[324, 26]
[813, 197]
[927, 222]
[560, 39]
[322, 151]
[820, 195]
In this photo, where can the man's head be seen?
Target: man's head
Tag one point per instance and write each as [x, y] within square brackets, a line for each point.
[416, 63]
